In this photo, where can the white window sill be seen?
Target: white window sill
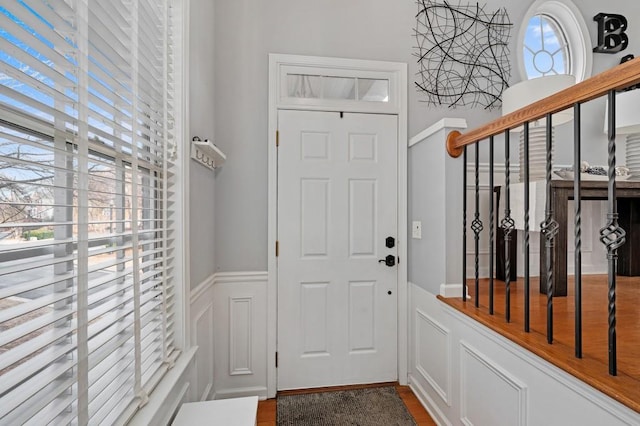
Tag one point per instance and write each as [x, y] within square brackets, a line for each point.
[166, 398]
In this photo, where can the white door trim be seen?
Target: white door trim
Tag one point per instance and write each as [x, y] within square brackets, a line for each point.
[397, 73]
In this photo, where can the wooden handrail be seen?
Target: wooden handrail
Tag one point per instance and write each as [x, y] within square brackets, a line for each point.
[619, 77]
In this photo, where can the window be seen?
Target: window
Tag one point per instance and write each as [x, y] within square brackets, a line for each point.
[307, 86]
[554, 39]
[546, 49]
[87, 177]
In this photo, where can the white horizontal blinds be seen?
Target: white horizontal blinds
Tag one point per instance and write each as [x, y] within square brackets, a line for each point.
[38, 195]
[86, 176]
[151, 152]
[169, 194]
[111, 307]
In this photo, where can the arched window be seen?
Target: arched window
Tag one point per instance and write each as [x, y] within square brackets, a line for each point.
[554, 39]
[546, 50]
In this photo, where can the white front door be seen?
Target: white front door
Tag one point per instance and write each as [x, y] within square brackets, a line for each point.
[337, 205]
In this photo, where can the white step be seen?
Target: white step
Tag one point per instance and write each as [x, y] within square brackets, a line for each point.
[223, 412]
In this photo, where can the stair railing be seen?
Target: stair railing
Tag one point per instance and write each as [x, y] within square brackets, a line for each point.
[611, 235]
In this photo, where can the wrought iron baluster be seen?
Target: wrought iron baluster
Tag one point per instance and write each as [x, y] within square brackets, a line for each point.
[464, 225]
[491, 225]
[526, 226]
[508, 226]
[549, 228]
[578, 230]
[476, 225]
[612, 235]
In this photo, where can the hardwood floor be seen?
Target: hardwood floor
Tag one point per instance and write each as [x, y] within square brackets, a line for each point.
[593, 367]
[267, 409]
[267, 412]
[419, 414]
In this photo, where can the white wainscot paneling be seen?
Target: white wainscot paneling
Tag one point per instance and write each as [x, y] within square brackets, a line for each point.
[497, 382]
[240, 330]
[433, 365]
[202, 336]
[483, 383]
[429, 350]
[240, 310]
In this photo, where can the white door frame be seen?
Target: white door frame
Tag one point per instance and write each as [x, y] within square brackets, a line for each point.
[396, 73]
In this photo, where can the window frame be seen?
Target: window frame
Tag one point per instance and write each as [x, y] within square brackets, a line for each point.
[570, 21]
[147, 171]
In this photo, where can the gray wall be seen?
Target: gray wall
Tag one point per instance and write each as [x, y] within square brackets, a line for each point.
[246, 31]
[201, 112]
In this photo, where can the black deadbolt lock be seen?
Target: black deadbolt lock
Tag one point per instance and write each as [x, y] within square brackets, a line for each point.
[390, 242]
[390, 260]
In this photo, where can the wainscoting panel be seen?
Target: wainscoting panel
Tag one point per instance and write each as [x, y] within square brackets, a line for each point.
[483, 381]
[240, 330]
[202, 322]
[203, 338]
[240, 310]
[425, 355]
[433, 365]
[492, 380]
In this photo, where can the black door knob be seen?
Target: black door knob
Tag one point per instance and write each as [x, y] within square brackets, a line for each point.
[390, 260]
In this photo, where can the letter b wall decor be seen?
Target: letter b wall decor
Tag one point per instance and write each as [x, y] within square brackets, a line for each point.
[611, 33]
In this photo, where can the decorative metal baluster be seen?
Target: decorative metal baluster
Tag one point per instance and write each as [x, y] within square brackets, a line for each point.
[476, 225]
[578, 230]
[612, 235]
[526, 226]
[549, 228]
[508, 226]
[491, 226]
[464, 225]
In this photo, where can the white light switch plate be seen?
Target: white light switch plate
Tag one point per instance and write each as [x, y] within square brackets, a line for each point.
[416, 230]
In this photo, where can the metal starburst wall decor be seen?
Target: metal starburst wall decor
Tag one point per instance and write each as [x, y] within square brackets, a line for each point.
[463, 54]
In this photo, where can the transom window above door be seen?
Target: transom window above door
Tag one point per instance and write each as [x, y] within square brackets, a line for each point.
[330, 87]
[319, 84]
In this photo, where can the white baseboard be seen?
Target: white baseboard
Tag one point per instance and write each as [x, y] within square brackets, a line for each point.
[436, 414]
[451, 290]
[260, 391]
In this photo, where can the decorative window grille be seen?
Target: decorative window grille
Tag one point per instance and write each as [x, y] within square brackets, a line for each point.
[554, 39]
[546, 50]
[87, 178]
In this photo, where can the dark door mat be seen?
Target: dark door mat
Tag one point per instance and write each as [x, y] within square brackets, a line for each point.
[359, 407]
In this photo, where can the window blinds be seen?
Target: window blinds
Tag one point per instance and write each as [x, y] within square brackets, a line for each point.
[87, 179]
